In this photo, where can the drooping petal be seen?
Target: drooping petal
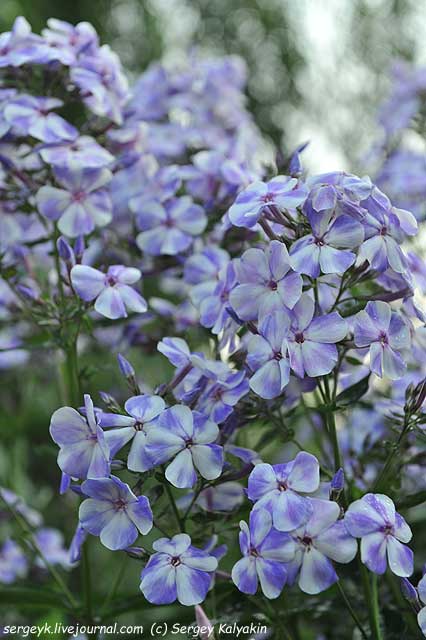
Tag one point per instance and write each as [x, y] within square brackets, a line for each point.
[140, 514]
[110, 304]
[208, 459]
[244, 575]
[119, 533]
[373, 552]
[317, 572]
[192, 585]
[181, 473]
[272, 577]
[400, 558]
[158, 580]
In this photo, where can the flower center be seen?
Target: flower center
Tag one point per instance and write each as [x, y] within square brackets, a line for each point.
[388, 530]
[272, 285]
[306, 541]
[254, 552]
[169, 223]
[139, 426]
[175, 561]
[319, 242]
[188, 443]
[120, 504]
[78, 196]
[383, 231]
[299, 337]
[111, 280]
[268, 197]
[278, 355]
[282, 486]
[383, 339]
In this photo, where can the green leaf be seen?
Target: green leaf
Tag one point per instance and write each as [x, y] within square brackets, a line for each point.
[33, 598]
[352, 394]
[413, 500]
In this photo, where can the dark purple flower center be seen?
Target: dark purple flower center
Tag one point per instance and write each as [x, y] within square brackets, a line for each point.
[139, 426]
[111, 280]
[278, 355]
[306, 541]
[268, 197]
[383, 339]
[299, 337]
[254, 552]
[175, 561]
[319, 242]
[78, 196]
[224, 296]
[282, 485]
[218, 393]
[120, 504]
[169, 223]
[383, 231]
[188, 443]
[388, 530]
[273, 285]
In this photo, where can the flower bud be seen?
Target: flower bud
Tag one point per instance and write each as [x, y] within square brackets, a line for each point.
[125, 367]
[338, 481]
[79, 247]
[65, 251]
[409, 591]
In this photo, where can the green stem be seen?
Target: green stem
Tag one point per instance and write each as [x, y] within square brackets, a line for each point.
[71, 374]
[114, 587]
[371, 600]
[179, 520]
[87, 583]
[352, 612]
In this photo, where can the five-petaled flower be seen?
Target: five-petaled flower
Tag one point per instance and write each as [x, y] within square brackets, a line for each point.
[83, 451]
[265, 551]
[113, 512]
[177, 571]
[110, 290]
[386, 333]
[382, 531]
[188, 437]
[281, 489]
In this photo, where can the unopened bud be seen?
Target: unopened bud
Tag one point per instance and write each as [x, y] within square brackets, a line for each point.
[28, 292]
[204, 624]
[125, 367]
[65, 251]
[409, 591]
[79, 247]
[338, 481]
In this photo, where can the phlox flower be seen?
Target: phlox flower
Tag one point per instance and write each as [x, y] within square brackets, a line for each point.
[177, 571]
[30, 115]
[265, 551]
[267, 356]
[143, 412]
[322, 539]
[189, 438]
[50, 543]
[111, 291]
[83, 451]
[214, 306]
[114, 513]
[169, 228]
[311, 341]
[82, 152]
[266, 282]
[281, 489]
[385, 227]
[81, 205]
[382, 531]
[328, 248]
[282, 192]
[386, 334]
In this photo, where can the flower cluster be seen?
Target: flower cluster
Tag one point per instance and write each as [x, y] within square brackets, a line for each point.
[287, 307]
